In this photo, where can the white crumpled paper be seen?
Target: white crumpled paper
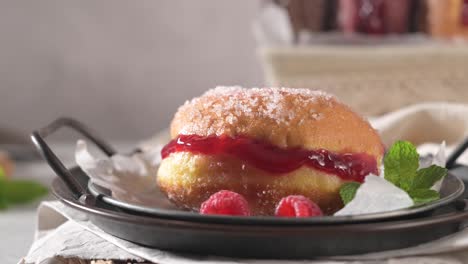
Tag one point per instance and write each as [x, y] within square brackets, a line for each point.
[130, 178]
[133, 179]
[378, 195]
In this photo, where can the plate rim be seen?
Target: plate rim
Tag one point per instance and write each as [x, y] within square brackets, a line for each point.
[88, 207]
[272, 220]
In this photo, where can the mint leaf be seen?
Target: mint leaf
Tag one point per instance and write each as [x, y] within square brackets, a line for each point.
[422, 196]
[22, 191]
[401, 168]
[348, 191]
[427, 177]
[401, 164]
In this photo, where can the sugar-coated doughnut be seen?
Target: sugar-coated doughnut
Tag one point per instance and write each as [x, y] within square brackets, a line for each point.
[266, 144]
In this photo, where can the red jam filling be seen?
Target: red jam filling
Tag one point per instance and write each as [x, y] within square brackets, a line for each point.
[276, 160]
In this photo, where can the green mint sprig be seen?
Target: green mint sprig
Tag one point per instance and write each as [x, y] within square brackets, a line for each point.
[401, 165]
[401, 168]
[15, 192]
[348, 191]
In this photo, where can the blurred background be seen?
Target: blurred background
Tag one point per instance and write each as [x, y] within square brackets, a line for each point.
[122, 67]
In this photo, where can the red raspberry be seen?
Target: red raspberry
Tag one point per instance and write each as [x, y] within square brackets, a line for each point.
[225, 203]
[297, 206]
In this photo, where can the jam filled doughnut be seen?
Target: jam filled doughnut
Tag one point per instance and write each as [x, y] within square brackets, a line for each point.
[266, 144]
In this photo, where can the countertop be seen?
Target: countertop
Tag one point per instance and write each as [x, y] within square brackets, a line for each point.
[17, 224]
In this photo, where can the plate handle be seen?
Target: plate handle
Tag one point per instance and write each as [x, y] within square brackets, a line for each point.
[452, 159]
[55, 163]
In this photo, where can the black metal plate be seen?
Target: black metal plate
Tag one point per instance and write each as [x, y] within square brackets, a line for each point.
[297, 240]
[304, 240]
[452, 188]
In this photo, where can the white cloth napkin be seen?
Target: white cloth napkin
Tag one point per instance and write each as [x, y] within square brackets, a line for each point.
[65, 233]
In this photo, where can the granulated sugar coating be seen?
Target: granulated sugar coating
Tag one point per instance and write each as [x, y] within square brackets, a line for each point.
[273, 101]
[260, 102]
[284, 117]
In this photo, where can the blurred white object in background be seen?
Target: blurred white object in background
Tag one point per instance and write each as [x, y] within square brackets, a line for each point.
[273, 26]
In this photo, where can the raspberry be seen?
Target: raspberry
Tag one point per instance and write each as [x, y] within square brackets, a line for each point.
[225, 203]
[297, 206]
